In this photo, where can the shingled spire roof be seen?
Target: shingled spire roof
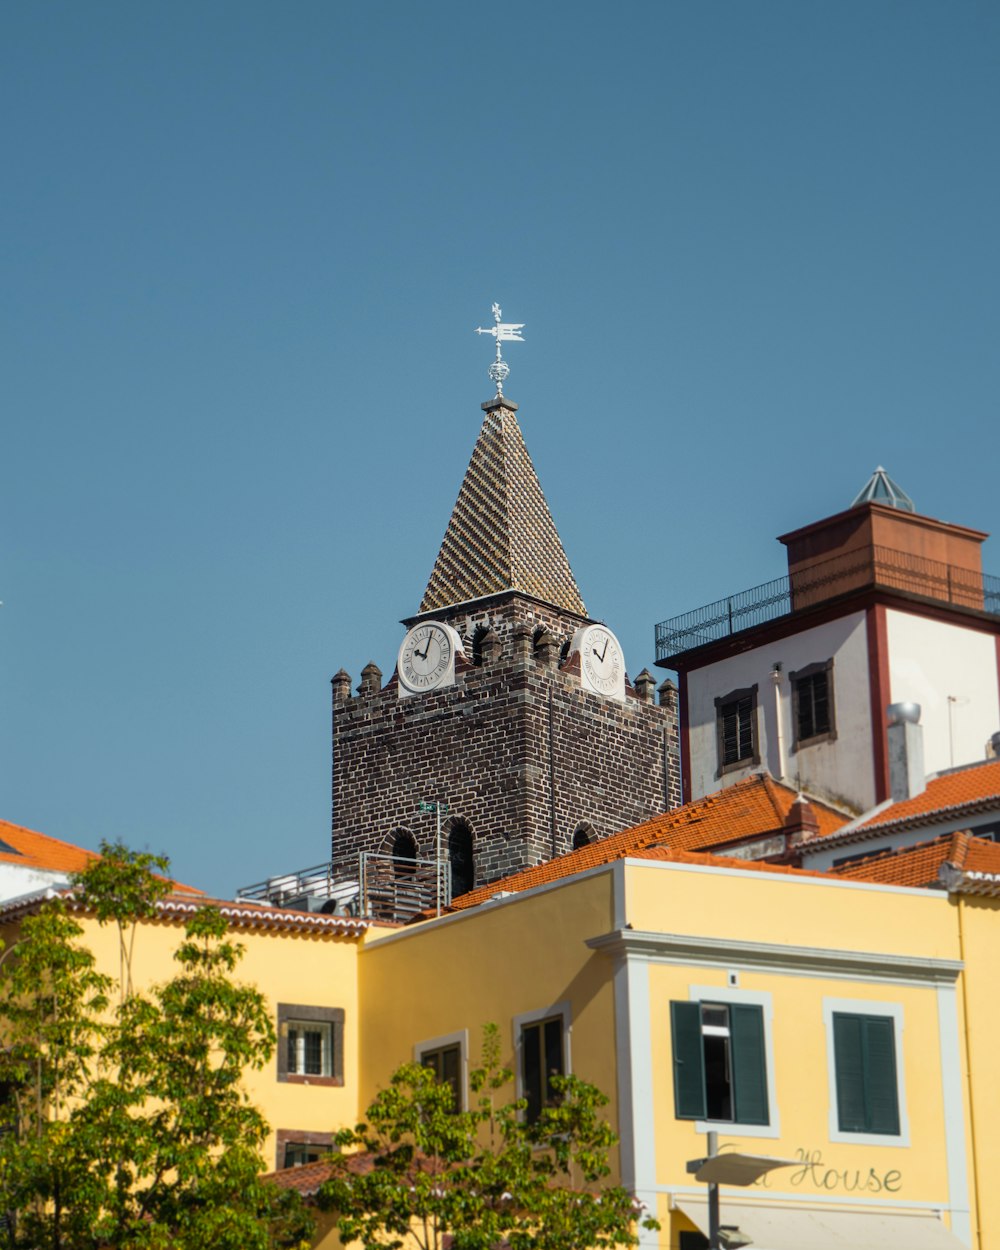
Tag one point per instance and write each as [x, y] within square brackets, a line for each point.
[501, 535]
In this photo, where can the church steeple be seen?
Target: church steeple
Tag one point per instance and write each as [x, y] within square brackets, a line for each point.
[501, 535]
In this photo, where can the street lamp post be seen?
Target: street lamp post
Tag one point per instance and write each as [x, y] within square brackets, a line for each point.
[437, 807]
[731, 1168]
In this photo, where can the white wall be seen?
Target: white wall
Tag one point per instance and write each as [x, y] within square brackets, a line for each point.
[840, 770]
[17, 879]
[930, 661]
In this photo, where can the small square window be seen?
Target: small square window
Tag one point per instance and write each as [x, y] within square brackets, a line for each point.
[310, 1049]
[294, 1148]
[298, 1153]
[812, 705]
[310, 1044]
[736, 729]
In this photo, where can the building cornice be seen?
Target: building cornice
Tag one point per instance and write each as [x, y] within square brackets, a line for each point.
[816, 961]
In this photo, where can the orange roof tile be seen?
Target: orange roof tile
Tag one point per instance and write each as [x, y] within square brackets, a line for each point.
[958, 790]
[921, 864]
[28, 849]
[917, 865]
[752, 808]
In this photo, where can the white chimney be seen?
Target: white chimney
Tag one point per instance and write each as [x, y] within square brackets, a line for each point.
[906, 751]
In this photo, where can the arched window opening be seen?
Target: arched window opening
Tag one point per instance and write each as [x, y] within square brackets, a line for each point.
[460, 857]
[583, 835]
[404, 853]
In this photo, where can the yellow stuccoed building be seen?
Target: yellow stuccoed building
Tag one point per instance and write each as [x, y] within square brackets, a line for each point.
[801, 1017]
[846, 1026]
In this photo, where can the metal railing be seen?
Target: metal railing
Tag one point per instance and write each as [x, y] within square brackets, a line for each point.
[873, 566]
[382, 887]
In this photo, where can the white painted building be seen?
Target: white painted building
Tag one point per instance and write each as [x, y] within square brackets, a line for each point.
[880, 606]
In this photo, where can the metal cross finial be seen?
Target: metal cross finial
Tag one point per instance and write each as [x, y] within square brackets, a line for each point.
[503, 333]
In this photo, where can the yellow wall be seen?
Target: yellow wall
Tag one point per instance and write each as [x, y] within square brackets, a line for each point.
[794, 910]
[979, 919]
[489, 965]
[288, 968]
[529, 952]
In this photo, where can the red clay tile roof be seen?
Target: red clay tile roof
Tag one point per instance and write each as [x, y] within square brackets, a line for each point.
[961, 791]
[37, 850]
[921, 865]
[239, 914]
[306, 1178]
[751, 809]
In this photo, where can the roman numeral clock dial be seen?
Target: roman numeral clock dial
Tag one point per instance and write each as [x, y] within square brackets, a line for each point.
[602, 665]
[427, 658]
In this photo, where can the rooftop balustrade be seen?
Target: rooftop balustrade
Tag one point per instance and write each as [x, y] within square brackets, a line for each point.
[822, 581]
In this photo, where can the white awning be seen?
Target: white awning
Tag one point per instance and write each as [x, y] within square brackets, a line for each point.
[813, 1228]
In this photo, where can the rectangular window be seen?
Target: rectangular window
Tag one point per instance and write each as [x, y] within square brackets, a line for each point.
[309, 1048]
[812, 704]
[310, 1044]
[298, 1153]
[736, 729]
[296, 1147]
[446, 1064]
[720, 1062]
[864, 1050]
[542, 1043]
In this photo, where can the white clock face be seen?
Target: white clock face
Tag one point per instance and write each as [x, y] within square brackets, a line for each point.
[426, 657]
[602, 662]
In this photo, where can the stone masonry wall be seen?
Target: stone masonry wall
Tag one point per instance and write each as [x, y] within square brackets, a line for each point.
[492, 745]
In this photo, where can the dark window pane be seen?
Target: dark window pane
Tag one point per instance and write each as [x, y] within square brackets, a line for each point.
[737, 730]
[553, 1039]
[531, 1072]
[446, 1064]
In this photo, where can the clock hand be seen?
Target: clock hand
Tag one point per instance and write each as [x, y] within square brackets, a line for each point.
[604, 652]
[422, 655]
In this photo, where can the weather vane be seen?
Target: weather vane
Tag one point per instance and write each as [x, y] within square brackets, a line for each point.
[503, 333]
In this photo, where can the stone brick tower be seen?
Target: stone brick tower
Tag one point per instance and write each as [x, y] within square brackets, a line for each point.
[508, 703]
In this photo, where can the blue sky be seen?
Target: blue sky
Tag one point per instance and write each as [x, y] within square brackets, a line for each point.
[754, 245]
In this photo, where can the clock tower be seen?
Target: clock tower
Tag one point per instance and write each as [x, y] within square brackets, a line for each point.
[508, 705]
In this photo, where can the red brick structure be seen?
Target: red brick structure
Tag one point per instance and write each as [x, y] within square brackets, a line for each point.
[510, 734]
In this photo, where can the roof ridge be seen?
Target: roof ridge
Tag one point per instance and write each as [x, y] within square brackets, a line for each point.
[959, 850]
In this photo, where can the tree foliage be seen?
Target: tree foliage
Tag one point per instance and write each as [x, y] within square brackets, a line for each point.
[127, 1123]
[485, 1177]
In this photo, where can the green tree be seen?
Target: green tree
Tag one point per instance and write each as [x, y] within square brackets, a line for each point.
[52, 1006]
[421, 1168]
[132, 1128]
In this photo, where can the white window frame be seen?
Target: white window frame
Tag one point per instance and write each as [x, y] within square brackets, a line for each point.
[459, 1039]
[751, 998]
[866, 1007]
[535, 1017]
[325, 1027]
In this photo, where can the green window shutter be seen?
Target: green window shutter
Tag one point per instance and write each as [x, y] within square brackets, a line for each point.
[849, 1063]
[689, 1061]
[881, 1089]
[749, 1064]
